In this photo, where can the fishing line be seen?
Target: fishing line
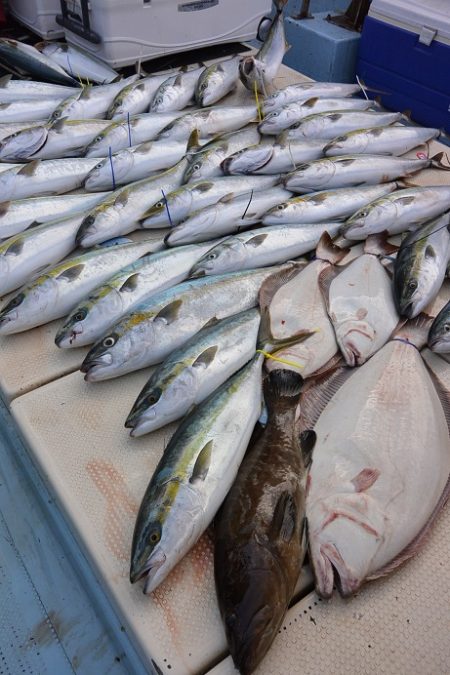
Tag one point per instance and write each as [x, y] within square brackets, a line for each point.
[363, 89]
[443, 227]
[290, 154]
[268, 355]
[129, 129]
[112, 169]
[258, 105]
[406, 341]
[167, 208]
[251, 197]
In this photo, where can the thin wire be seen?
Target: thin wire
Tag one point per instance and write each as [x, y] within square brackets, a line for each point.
[268, 355]
[112, 169]
[167, 208]
[258, 105]
[406, 341]
[363, 89]
[248, 205]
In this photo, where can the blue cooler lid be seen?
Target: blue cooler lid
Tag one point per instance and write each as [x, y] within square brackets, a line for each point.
[430, 20]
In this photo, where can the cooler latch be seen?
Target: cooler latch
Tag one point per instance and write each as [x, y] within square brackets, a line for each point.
[427, 35]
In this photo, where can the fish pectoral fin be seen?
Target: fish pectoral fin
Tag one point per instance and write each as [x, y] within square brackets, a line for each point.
[378, 244]
[193, 143]
[211, 322]
[170, 312]
[284, 518]
[273, 284]
[326, 277]
[430, 252]
[328, 251]
[15, 248]
[205, 359]
[130, 284]
[257, 240]
[307, 439]
[202, 463]
[365, 479]
[29, 169]
[72, 273]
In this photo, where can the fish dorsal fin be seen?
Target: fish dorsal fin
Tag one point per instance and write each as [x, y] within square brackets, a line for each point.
[202, 463]
[284, 518]
[378, 244]
[211, 322]
[273, 283]
[29, 169]
[15, 248]
[170, 312]
[257, 240]
[193, 143]
[72, 273]
[318, 391]
[325, 280]
[130, 284]
[205, 359]
[328, 251]
[307, 440]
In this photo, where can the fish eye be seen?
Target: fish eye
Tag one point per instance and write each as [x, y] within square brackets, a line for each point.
[412, 285]
[159, 205]
[98, 139]
[204, 86]
[274, 114]
[154, 536]
[447, 327]
[15, 302]
[80, 315]
[153, 397]
[99, 166]
[109, 341]
[280, 207]
[212, 256]
[364, 213]
[159, 99]
[196, 167]
[56, 114]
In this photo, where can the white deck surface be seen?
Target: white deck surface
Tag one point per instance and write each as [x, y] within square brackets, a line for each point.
[75, 434]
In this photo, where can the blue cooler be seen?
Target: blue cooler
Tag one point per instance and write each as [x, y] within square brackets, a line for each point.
[405, 52]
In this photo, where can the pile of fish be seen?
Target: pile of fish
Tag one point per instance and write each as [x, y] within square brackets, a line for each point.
[267, 247]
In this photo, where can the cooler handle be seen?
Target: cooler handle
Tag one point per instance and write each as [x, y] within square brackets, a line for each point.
[82, 29]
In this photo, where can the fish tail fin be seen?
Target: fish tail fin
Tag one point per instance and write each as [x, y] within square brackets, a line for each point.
[282, 386]
[267, 292]
[328, 251]
[280, 5]
[415, 331]
[438, 163]
[378, 244]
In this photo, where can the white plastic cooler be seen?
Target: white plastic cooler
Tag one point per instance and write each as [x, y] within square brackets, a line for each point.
[38, 16]
[125, 31]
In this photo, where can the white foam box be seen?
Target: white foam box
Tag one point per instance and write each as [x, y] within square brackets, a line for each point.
[133, 30]
[38, 16]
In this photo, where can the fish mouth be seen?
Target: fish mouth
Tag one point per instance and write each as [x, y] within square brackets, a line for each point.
[66, 338]
[6, 320]
[196, 274]
[407, 310]
[149, 570]
[329, 569]
[91, 366]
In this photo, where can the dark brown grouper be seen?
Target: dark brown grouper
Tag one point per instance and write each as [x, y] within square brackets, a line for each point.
[260, 538]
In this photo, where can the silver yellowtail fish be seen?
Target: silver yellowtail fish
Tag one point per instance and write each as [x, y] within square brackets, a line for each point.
[277, 121]
[261, 69]
[31, 61]
[27, 110]
[351, 170]
[135, 98]
[319, 206]
[13, 90]
[302, 91]
[77, 62]
[119, 213]
[369, 508]
[190, 374]
[28, 253]
[133, 164]
[44, 177]
[91, 102]
[217, 80]
[107, 303]
[57, 291]
[52, 140]
[360, 303]
[420, 266]
[260, 532]
[166, 321]
[268, 158]
[136, 130]
[332, 124]
[397, 212]
[439, 335]
[14, 127]
[207, 162]
[194, 475]
[263, 246]
[18, 215]
[228, 216]
[389, 140]
[209, 121]
[176, 92]
[178, 205]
